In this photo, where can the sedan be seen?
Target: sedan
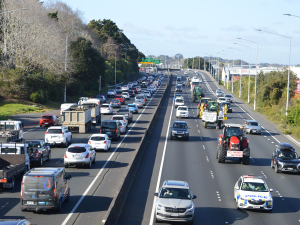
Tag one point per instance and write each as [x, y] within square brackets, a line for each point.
[135, 83]
[125, 88]
[111, 93]
[48, 120]
[138, 88]
[131, 93]
[107, 109]
[182, 111]
[228, 98]
[115, 103]
[252, 127]
[133, 108]
[139, 103]
[80, 154]
[148, 94]
[100, 142]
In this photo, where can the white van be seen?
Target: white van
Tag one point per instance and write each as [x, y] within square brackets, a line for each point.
[66, 106]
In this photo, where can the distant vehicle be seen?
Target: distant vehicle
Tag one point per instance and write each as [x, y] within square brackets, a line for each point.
[80, 155]
[178, 88]
[118, 88]
[120, 117]
[120, 98]
[100, 142]
[125, 88]
[66, 106]
[219, 93]
[221, 99]
[123, 127]
[179, 130]
[115, 103]
[182, 111]
[252, 127]
[38, 152]
[135, 83]
[111, 128]
[252, 192]
[138, 88]
[179, 102]
[228, 98]
[127, 113]
[131, 93]
[174, 191]
[111, 93]
[178, 78]
[229, 108]
[107, 108]
[58, 135]
[285, 159]
[45, 188]
[185, 73]
[139, 103]
[48, 120]
[133, 108]
[125, 94]
[148, 93]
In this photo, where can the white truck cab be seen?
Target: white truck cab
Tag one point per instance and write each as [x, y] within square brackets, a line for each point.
[7, 127]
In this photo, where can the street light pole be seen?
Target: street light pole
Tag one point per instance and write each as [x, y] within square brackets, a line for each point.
[255, 70]
[288, 84]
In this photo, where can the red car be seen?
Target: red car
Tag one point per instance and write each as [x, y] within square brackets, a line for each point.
[131, 93]
[134, 89]
[120, 98]
[48, 120]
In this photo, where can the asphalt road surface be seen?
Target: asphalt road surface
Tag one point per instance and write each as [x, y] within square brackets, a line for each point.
[92, 190]
[195, 161]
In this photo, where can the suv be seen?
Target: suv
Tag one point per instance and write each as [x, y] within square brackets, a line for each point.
[178, 88]
[252, 192]
[58, 136]
[175, 202]
[111, 128]
[179, 130]
[38, 151]
[285, 159]
[44, 188]
[80, 154]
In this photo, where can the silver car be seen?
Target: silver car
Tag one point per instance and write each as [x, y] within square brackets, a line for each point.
[174, 202]
[80, 154]
[252, 127]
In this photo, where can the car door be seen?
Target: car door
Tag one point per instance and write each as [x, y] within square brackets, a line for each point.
[276, 156]
[237, 185]
[92, 153]
[108, 141]
[43, 150]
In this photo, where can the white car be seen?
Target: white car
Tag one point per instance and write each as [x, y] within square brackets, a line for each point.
[106, 109]
[79, 154]
[58, 136]
[179, 102]
[100, 142]
[125, 88]
[123, 127]
[125, 94]
[138, 88]
[135, 83]
[174, 202]
[182, 111]
[221, 99]
[148, 93]
[111, 93]
[129, 85]
[119, 118]
[228, 98]
[219, 93]
[185, 73]
[252, 192]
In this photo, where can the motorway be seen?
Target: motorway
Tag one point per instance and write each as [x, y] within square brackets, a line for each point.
[195, 162]
[92, 190]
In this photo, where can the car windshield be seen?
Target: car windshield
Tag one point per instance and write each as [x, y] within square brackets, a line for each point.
[131, 105]
[180, 125]
[33, 144]
[253, 123]
[287, 155]
[76, 149]
[97, 138]
[37, 183]
[115, 101]
[253, 186]
[111, 90]
[234, 131]
[195, 83]
[179, 193]
[182, 108]
[179, 100]
[117, 118]
[228, 96]
[54, 131]
[47, 117]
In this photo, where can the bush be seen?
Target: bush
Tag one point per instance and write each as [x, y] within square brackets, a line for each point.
[39, 97]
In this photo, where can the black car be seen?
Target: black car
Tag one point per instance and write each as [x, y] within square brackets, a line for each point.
[111, 128]
[127, 113]
[38, 152]
[285, 159]
[44, 188]
[179, 130]
[143, 85]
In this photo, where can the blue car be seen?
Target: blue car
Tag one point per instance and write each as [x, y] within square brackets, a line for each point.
[133, 108]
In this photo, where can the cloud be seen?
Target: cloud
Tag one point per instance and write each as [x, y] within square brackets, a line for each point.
[236, 28]
[131, 28]
[169, 27]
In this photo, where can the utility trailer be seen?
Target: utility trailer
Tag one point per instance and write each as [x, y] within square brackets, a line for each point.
[11, 131]
[14, 161]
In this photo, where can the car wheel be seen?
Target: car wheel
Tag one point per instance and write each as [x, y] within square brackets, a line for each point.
[66, 165]
[58, 209]
[66, 144]
[276, 169]
[272, 163]
[94, 161]
[12, 183]
[157, 220]
[237, 204]
[68, 197]
[49, 156]
[187, 138]
[41, 161]
[89, 165]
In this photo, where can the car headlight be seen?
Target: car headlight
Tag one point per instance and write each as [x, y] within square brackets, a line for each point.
[160, 207]
[173, 131]
[280, 163]
[190, 208]
[186, 132]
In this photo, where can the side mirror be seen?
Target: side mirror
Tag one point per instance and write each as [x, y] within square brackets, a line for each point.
[156, 194]
[68, 176]
[189, 127]
[194, 196]
[47, 144]
[237, 187]
[271, 190]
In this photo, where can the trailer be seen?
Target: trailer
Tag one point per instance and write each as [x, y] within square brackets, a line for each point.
[11, 131]
[14, 161]
[77, 119]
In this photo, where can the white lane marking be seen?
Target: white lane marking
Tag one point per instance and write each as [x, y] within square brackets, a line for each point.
[30, 130]
[59, 160]
[161, 166]
[199, 131]
[203, 146]
[104, 166]
[197, 125]
[4, 205]
[207, 159]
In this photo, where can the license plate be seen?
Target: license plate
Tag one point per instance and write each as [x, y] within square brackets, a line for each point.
[256, 206]
[53, 136]
[109, 133]
[30, 202]
[290, 168]
[254, 131]
[179, 136]
[175, 214]
[234, 154]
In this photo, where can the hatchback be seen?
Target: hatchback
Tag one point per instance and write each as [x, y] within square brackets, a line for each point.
[80, 154]
[100, 142]
[48, 120]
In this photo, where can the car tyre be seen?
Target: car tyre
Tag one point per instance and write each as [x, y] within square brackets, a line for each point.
[94, 161]
[237, 205]
[41, 161]
[187, 138]
[66, 165]
[157, 220]
[89, 165]
[68, 197]
[58, 209]
[49, 156]
[276, 169]
[222, 154]
[272, 163]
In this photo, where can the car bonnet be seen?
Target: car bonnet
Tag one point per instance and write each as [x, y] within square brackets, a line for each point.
[173, 202]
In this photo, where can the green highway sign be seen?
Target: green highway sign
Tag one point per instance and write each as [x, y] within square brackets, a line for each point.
[149, 60]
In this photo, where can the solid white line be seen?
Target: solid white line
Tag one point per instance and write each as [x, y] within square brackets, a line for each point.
[161, 166]
[103, 167]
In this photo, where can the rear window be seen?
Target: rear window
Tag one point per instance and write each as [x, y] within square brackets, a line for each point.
[179, 100]
[33, 144]
[37, 183]
[47, 117]
[139, 97]
[118, 118]
[111, 90]
[130, 91]
[54, 131]
[96, 138]
[76, 149]
[118, 96]
[131, 105]
[111, 125]
[8, 127]
[105, 106]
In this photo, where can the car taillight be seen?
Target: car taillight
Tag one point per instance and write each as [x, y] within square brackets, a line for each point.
[66, 155]
[117, 130]
[36, 153]
[100, 131]
[104, 142]
[123, 120]
[90, 142]
[63, 133]
[46, 132]
[121, 126]
[55, 194]
[87, 155]
[21, 193]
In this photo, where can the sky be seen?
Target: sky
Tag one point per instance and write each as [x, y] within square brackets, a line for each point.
[202, 28]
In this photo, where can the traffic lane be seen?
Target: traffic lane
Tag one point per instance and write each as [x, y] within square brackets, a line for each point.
[112, 179]
[80, 175]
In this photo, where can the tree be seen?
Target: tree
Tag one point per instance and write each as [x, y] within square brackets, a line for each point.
[178, 55]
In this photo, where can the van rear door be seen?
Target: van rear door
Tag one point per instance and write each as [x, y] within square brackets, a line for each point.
[38, 191]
